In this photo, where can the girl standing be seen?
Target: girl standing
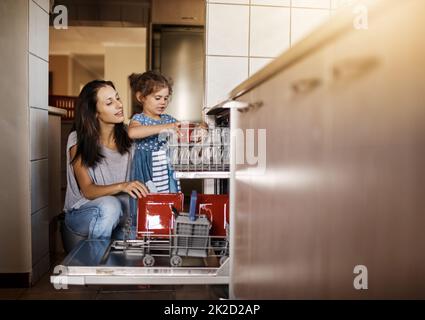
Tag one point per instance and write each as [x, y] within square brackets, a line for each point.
[151, 164]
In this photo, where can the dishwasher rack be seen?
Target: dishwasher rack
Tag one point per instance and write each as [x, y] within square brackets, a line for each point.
[164, 231]
[199, 150]
[155, 257]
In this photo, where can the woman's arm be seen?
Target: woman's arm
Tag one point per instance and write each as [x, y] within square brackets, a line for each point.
[138, 131]
[92, 191]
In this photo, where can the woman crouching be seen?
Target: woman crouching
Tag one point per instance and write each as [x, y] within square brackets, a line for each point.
[99, 154]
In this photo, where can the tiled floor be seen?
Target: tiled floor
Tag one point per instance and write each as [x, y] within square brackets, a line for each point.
[44, 290]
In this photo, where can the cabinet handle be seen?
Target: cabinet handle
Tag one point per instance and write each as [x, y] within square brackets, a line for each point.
[306, 85]
[188, 18]
[251, 107]
[355, 67]
[243, 106]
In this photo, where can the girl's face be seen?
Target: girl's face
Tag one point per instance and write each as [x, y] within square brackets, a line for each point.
[155, 103]
[109, 107]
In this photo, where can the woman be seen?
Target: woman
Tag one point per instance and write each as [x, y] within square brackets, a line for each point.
[99, 155]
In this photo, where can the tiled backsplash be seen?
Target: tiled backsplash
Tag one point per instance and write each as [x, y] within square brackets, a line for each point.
[242, 36]
[38, 104]
[24, 224]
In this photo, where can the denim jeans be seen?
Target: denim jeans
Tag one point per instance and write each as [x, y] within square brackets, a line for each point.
[97, 218]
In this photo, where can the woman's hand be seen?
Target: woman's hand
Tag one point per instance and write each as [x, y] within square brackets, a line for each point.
[135, 189]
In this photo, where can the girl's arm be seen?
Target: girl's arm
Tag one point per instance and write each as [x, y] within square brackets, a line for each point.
[138, 131]
[92, 191]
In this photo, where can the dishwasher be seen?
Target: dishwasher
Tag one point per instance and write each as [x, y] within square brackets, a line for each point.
[172, 247]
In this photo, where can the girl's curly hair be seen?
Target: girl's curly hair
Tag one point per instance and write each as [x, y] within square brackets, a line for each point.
[149, 82]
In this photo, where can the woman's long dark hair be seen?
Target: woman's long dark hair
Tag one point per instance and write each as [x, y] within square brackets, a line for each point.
[87, 126]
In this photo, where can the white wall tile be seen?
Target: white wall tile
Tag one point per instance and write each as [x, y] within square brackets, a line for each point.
[305, 20]
[325, 4]
[39, 125]
[39, 234]
[282, 3]
[273, 26]
[223, 74]
[256, 64]
[39, 185]
[227, 30]
[38, 82]
[269, 34]
[38, 31]
[340, 4]
[43, 3]
[230, 1]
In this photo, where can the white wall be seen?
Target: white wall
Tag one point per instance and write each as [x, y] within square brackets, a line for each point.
[120, 62]
[242, 36]
[15, 228]
[69, 75]
[81, 75]
[61, 68]
[23, 137]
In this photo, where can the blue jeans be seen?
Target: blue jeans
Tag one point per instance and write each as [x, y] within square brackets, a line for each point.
[97, 218]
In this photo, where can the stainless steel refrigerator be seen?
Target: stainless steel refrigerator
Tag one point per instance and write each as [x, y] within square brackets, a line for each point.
[178, 52]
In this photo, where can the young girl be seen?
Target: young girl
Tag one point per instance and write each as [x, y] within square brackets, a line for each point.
[151, 164]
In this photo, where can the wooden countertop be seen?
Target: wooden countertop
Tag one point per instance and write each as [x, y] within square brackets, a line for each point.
[57, 111]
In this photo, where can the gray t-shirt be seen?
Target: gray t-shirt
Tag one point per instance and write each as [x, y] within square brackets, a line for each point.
[114, 168]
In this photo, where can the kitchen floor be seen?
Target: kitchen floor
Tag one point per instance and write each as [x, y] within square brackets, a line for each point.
[44, 290]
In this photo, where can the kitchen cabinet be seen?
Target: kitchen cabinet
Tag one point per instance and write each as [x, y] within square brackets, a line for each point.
[342, 188]
[55, 179]
[182, 12]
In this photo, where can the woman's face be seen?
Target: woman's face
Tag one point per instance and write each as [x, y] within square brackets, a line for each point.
[155, 103]
[109, 107]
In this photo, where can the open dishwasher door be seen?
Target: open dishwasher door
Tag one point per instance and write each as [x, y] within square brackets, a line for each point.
[170, 248]
[94, 262]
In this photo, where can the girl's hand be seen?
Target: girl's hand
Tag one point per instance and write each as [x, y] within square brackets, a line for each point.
[200, 133]
[135, 189]
[173, 126]
[176, 127]
[203, 125]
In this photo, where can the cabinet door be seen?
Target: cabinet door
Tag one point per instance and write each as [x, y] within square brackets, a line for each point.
[181, 12]
[279, 236]
[375, 156]
[344, 180]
